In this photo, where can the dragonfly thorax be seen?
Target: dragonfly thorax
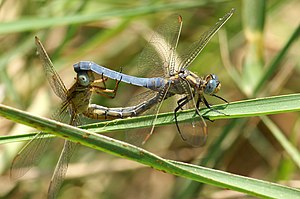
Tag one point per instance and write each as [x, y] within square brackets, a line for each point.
[194, 80]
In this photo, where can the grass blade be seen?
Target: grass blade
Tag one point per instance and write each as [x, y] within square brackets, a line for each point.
[201, 174]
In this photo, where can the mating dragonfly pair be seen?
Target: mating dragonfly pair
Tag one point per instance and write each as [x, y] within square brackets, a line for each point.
[171, 78]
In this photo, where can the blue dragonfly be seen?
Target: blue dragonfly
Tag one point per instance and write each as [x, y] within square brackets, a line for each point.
[169, 77]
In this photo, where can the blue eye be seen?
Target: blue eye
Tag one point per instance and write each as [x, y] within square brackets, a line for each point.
[212, 85]
[83, 79]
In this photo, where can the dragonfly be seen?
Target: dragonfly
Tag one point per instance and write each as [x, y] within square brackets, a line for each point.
[75, 102]
[169, 76]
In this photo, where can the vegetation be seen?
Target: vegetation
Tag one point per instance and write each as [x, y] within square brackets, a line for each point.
[255, 140]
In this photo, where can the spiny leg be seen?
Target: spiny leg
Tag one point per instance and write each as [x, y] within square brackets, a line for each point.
[211, 108]
[198, 105]
[102, 80]
[181, 102]
[116, 87]
[221, 98]
[103, 91]
[203, 125]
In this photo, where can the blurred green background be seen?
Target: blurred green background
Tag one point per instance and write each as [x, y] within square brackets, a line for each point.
[248, 55]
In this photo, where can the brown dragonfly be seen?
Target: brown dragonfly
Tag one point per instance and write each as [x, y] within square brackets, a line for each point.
[75, 102]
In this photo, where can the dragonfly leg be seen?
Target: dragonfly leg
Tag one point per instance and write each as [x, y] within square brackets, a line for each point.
[221, 98]
[181, 102]
[206, 103]
[116, 87]
[198, 105]
[102, 80]
[211, 108]
[103, 91]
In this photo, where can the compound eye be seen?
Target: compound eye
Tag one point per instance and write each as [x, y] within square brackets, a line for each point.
[211, 87]
[83, 79]
[214, 77]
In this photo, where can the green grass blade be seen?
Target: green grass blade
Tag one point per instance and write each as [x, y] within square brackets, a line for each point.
[255, 187]
[288, 147]
[38, 22]
[201, 174]
[215, 153]
[275, 63]
[20, 138]
[239, 109]
[253, 29]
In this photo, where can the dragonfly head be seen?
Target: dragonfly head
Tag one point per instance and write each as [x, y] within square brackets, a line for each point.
[212, 85]
[84, 78]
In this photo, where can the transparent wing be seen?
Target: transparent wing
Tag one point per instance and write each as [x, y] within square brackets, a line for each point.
[193, 51]
[137, 137]
[193, 132]
[157, 57]
[53, 78]
[29, 155]
[33, 151]
[156, 60]
[63, 161]
[61, 169]
[153, 107]
[141, 97]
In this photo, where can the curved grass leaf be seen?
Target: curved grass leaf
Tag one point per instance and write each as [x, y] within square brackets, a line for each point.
[201, 174]
[38, 22]
[238, 109]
